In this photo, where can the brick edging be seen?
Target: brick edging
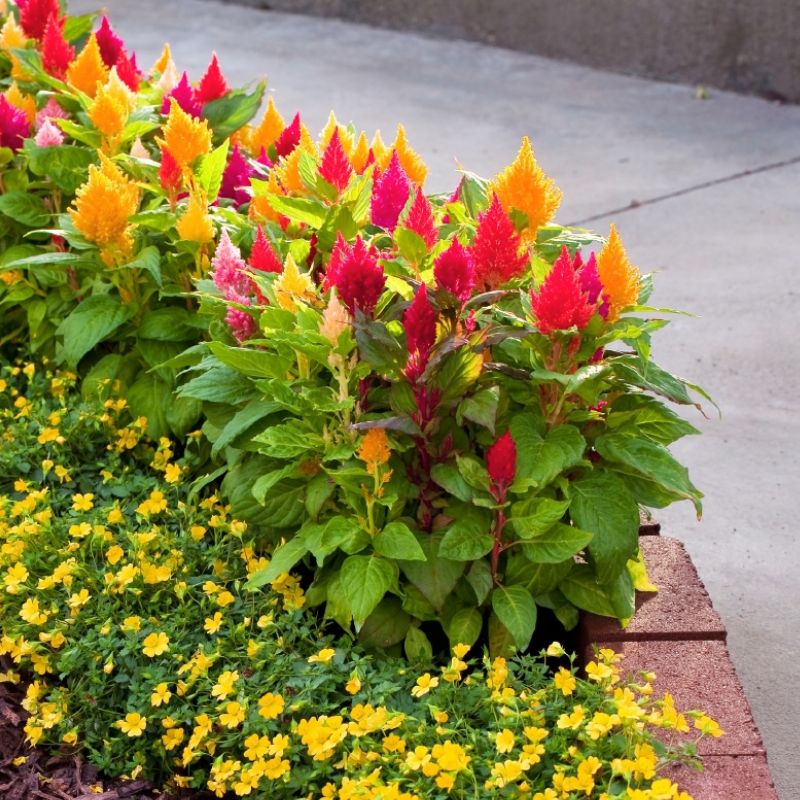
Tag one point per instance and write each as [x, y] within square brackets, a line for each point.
[677, 634]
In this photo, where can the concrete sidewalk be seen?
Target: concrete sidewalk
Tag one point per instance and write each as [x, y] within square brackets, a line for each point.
[726, 250]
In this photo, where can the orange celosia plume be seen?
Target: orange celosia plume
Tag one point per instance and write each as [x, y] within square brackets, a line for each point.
[111, 106]
[268, 130]
[524, 186]
[186, 138]
[88, 69]
[619, 277]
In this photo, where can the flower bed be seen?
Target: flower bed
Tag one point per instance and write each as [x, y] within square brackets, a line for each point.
[423, 419]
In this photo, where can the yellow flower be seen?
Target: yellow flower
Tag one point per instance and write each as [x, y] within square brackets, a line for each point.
[16, 575]
[600, 724]
[268, 130]
[31, 613]
[555, 650]
[270, 705]
[276, 768]
[293, 285]
[506, 772]
[114, 554]
[70, 738]
[172, 738]
[619, 277]
[225, 599]
[213, 624]
[412, 163]
[172, 473]
[132, 624]
[224, 684]
[573, 720]
[88, 69]
[708, 726]
[375, 450]
[111, 106]
[24, 102]
[353, 686]
[134, 724]
[345, 136]
[161, 695]
[256, 747]
[598, 672]
[504, 741]
[83, 502]
[186, 138]
[288, 171]
[524, 186]
[323, 657]
[424, 684]
[114, 515]
[194, 225]
[103, 206]
[155, 644]
[565, 682]
[233, 716]
[360, 154]
[450, 756]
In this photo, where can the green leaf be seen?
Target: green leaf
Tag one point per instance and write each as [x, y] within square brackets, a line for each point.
[397, 540]
[289, 440]
[386, 626]
[465, 626]
[516, 610]
[170, 324]
[211, 170]
[51, 259]
[150, 397]
[231, 112]
[242, 421]
[534, 516]
[651, 460]
[473, 472]
[622, 595]
[262, 486]
[541, 460]
[249, 361]
[218, 385]
[449, 478]
[602, 505]
[65, 165]
[456, 373]
[183, 414]
[417, 647]
[410, 244]
[467, 538]
[149, 260]
[365, 580]
[299, 209]
[501, 642]
[646, 416]
[25, 208]
[556, 544]
[479, 578]
[378, 347]
[89, 324]
[283, 559]
[435, 577]
[481, 408]
[318, 490]
[536, 578]
[581, 588]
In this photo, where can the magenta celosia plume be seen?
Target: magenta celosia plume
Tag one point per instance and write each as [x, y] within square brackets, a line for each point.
[128, 71]
[185, 96]
[562, 303]
[289, 137]
[241, 324]
[212, 85]
[496, 248]
[236, 178]
[49, 135]
[229, 269]
[419, 323]
[420, 219]
[501, 464]
[355, 273]
[454, 271]
[35, 14]
[591, 284]
[389, 195]
[336, 168]
[56, 51]
[109, 43]
[14, 125]
[263, 257]
[51, 110]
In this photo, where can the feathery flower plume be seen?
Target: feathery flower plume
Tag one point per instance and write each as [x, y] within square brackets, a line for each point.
[356, 275]
[591, 283]
[269, 129]
[229, 268]
[360, 154]
[12, 37]
[128, 71]
[236, 178]
[289, 170]
[163, 61]
[524, 186]
[195, 224]
[260, 208]
[335, 167]
[335, 320]
[419, 323]
[420, 219]
[88, 69]
[51, 110]
[48, 135]
[24, 102]
[103, 205]
[109, 43]
[345, 136]
[501, 464]
[138, 150]
[183, 93]
[561, 303]
[379, 153]
[263, 257]
[289, 137]
[168, 77]
[14, 125]
[496, 248]
[212, 85]
[619, 277]
[34, 15]
[241, 324]
[185, 138]
[375, 449]
[454, 271]
[169, 173]
[293, 285]
[111, 106]
[57, 54]
[412, 163]
[389, 195]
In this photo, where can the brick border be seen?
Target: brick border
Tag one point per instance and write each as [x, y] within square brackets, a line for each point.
[677, 634]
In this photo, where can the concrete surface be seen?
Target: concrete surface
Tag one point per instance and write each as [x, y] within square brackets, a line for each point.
[732, 44]
[727, 251]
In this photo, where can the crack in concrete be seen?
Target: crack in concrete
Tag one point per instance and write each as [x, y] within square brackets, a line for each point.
[634, 204]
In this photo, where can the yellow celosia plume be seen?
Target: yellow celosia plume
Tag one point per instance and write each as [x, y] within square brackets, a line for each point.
[524, 186]
[293, 285]
[88, 69]
[289, 169]
[195, 224]
[186, 138]
[410, 160]
[620, 278]
[22, 101]
[260, 208]
[268, 130]
[13, 37]
[360, 154]
[111, 106]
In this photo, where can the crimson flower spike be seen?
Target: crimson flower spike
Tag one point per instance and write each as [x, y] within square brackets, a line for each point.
[236, 178]
[419, 323]
[420, 219]
[501, 464]
[14, 126]
[128, 71]
[289, 138]
[56, 51]
[356, 275]
[212, 85]
[109, 43]
[263, 257]
[562, 303]
[496, 248]
[389, 195]
[184, 94]
[169, 173]
[454, 271]
[35, 14]
[336, 168]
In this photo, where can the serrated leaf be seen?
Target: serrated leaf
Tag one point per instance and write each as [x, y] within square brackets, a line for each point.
[516, 610]
[534, 516]
[96, 318]
[417, 647]
[289, 440]
[365, 580]
[467, 538]
[450, 479]
[435, 577]
[465, 626]
[481, 408]
[211, 170]
[479, 578]
[25, 208]
[397, 540]
[557, 544]
[582, 589]
[231, 112]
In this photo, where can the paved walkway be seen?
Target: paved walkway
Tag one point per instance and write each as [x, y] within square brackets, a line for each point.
[724, 242]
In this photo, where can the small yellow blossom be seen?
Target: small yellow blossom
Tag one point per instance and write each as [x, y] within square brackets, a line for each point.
[161, 695]
[424, 684]
[155, 644]
[323, 657]
[270, 705]
[134, 724]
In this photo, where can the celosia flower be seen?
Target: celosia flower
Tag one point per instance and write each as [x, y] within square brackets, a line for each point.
[293, 285]
[111, 106]
[524, 186]
[289, 170]
[501, 464]
[49, 135]
[103, 206]
[229, 268]
[88, 69]
[51, 110]
[419, 323]
[263, 257]
[35, 14]
[356, 274]
[212, 85]
[454, 271]
[269, 129]
[335, 320]
[24, 102]
[496, 248]
[619, 277]
[14, 126]
[184, 137]
[169, 172]
[389, 195]
[335, 167]
[109, 43]
[195, 224]
[332, 126]
[360, 154]
[128, 71]
[412, 163]
[289, 138]
[591, 283]
[375, 450]
[561, 303]
[236, 178]
[185, 97]
[420, 220]
[57, 54]
[241, 324]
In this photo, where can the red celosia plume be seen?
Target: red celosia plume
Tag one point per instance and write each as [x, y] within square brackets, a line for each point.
[289, 138]
[185, 96]
[562, 302]
[501, 464]
[419, 323]
[212, 85]
[14, 125]
[263, 257]
[128, 71]
[109, 43]
[56, 51]
[35, 14]
[169, 173]
[389, 195]
[420, 219]
[454, 271]
[236, 178]
[496, 248]
[355, 273]
[336, 168]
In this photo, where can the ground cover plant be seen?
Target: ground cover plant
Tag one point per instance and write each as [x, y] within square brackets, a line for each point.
[124, 600]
